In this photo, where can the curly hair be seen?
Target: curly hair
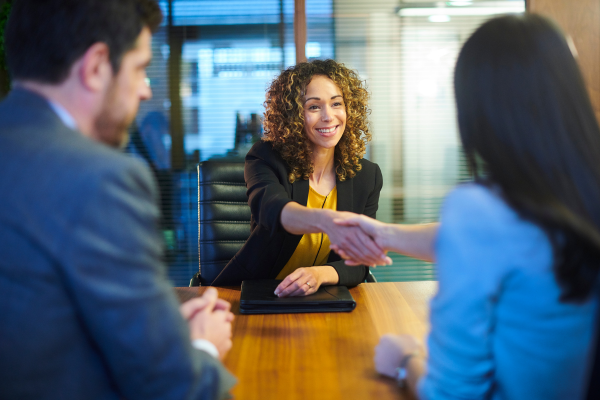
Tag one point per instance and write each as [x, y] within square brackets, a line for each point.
[284, 118]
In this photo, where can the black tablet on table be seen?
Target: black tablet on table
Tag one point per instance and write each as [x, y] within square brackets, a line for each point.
[258, 297]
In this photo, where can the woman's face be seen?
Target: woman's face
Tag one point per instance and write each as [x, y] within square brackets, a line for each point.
[324, 113]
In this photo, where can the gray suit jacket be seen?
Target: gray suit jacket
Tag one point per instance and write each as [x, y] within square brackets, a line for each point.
[86, 311]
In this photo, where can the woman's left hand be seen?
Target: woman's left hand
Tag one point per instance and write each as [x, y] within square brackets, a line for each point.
[301, 282]
[391, 350]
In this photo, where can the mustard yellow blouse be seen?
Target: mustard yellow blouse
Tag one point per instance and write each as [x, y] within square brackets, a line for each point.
[313, 248]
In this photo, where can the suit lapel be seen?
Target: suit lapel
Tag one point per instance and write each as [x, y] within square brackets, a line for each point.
[300, 191]
[300, 196]
[344, 195]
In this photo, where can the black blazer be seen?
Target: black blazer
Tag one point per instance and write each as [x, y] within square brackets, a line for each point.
[269, 246]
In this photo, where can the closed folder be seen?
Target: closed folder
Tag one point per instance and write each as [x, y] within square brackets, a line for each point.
[258, 297]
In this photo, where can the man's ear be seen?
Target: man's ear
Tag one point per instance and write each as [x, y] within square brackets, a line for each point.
[95, 70]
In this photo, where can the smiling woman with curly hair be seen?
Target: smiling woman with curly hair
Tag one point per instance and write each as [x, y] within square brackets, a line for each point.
[307, 171]
[284, 118]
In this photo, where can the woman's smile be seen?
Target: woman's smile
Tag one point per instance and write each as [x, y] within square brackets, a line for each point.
[328, 131]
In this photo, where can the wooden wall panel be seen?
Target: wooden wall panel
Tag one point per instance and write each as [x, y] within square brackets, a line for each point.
[300, 30]
[581, 20]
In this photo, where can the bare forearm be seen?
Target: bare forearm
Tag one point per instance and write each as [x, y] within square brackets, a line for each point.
[350, 240]
[412, 240]
[298, 220]
[327, 275]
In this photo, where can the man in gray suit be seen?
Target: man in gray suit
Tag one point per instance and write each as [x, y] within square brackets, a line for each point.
[86, 311]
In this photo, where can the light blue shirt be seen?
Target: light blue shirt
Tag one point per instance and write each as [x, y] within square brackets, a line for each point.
[498, 329]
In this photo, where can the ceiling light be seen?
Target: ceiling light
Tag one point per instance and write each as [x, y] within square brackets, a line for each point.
[462, 11]
[439, 18]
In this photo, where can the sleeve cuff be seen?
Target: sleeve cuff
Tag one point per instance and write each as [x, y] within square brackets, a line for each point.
[348, 276]
[206, 346]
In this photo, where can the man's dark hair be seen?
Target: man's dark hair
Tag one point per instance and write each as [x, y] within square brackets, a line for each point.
[525, 117]
[45, 37]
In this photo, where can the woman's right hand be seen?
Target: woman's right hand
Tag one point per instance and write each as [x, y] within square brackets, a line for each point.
[298, 220]
[367, 228]
[352, 242]
[413, 240]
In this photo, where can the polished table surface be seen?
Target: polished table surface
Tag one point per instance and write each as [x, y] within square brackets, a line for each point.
[322, 355]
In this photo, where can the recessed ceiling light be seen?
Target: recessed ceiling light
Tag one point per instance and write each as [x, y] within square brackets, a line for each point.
[460, 11]
[439, 18]
[459, 3]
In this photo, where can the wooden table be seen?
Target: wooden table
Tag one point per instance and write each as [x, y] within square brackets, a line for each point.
[325, 356]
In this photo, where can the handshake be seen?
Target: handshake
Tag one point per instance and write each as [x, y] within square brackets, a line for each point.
[358, 239]
[362, 240]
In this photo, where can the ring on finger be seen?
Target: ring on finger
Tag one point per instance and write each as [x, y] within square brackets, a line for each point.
[308, 284]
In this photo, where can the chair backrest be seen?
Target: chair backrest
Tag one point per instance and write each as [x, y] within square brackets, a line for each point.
[223, 217]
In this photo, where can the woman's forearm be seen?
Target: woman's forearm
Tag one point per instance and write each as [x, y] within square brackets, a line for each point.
[416, 240]
[351, 240]
[327, 275]
[298, 220]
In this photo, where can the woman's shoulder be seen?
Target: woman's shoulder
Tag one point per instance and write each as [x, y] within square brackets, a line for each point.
[476, 192]
[264, 150]
[476, 198]
[369, 170]
[476, 206]
[476, 220]
[369, 177]
[368, 165]
[262, 155]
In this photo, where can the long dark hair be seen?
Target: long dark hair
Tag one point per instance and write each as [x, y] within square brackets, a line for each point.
[525, 117]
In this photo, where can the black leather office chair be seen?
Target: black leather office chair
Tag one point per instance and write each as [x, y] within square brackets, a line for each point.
[223, 217]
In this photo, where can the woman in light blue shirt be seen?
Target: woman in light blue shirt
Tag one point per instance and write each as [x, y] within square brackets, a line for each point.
[518, 252]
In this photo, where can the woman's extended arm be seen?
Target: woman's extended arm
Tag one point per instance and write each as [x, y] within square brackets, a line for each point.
[297, 219]
[267, 196]
[415, 240]
[412, 240]
[352, 275]
[336, 271]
